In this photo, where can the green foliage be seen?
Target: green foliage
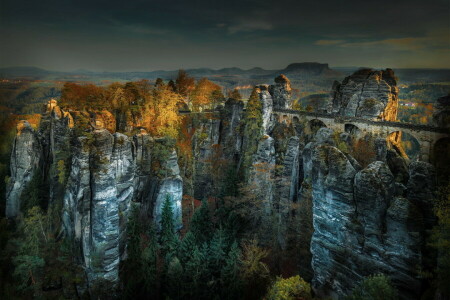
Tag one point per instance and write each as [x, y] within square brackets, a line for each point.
[167, 224]
[200, 224]
[61, 168]
[174, 279]
[254, 271]
[34, 194]
[230, 274]
[375, 287]
[140, 271]
[27, 269]
[289, 289]
[29, 260]
[252, 123]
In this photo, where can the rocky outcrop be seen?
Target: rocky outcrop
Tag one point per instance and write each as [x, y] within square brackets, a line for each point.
[171, 187]
[281, 92]
[367, 93]
[94, 176]
[363, 225]
[261, 175]
[25, 163]
[231, 118]
[267, 108]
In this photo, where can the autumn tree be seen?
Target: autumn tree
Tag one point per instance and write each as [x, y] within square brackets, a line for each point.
[234, 94]
[184, 83]
[84, 96]
[206, 94]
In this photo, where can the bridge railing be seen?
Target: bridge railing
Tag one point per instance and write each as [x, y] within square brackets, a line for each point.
[342, 119]
[345, 119]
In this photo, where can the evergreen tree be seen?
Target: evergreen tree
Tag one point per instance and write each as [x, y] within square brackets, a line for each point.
[197, 271]
[201, 223]
[29, 261]
[187, 247]
[167, 225]
[231, 282]
[34, 194]
[217, 250]
[175, 280]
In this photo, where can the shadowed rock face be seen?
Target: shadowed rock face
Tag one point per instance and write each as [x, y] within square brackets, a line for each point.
[363, 224]
[367, 93]
[281, 92]
[25, 163]
[105, 173]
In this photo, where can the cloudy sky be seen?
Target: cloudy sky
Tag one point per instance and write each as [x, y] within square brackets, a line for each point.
[143, 35]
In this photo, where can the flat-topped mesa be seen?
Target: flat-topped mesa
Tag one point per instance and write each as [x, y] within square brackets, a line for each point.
[367, 93]
[281, 92]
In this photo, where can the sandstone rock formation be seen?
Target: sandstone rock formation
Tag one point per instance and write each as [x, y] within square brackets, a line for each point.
[25, 163]
[367, 93]
[281, 92]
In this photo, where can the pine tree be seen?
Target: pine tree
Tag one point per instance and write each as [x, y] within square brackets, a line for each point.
[201, 223]
[149, 258]
[187, 247]
[197, 275]
[167, 225]
[231, 281]
[174, 280]
[29, 261]
[217, 250]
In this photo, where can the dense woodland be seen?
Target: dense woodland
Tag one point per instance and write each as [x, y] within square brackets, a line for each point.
[227, 249]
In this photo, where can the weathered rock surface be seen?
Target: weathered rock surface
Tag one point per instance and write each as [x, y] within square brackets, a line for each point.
[367, 93]
[281, 92]
[25, 163]
[267, 108]
[361, 226]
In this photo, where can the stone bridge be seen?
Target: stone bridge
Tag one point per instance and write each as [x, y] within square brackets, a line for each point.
[427, 136]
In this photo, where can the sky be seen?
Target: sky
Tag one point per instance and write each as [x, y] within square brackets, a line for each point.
[138, 35]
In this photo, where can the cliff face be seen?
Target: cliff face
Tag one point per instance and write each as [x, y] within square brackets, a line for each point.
[366, 93]
[25, 163]
[101, 174]
[362, 221]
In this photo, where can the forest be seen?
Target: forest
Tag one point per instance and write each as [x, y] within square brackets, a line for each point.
[228, 246]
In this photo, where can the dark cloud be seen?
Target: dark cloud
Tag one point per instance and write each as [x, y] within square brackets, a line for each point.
[116, 35]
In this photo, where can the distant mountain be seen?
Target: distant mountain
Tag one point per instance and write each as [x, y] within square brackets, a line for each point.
[24, 72]
[293, 70]
[310, 69]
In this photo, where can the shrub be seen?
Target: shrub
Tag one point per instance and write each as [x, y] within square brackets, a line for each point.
[375, 287]
[292, 288]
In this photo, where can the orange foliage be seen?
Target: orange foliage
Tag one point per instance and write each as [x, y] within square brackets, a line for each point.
[84, 96]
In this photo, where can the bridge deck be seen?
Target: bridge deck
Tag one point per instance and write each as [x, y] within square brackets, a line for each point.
[343, 119]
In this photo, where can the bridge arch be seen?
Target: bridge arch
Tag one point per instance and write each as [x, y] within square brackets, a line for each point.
[352, 129]
[410, 145]
[315, 124]
[286, 119]
[276, 117]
